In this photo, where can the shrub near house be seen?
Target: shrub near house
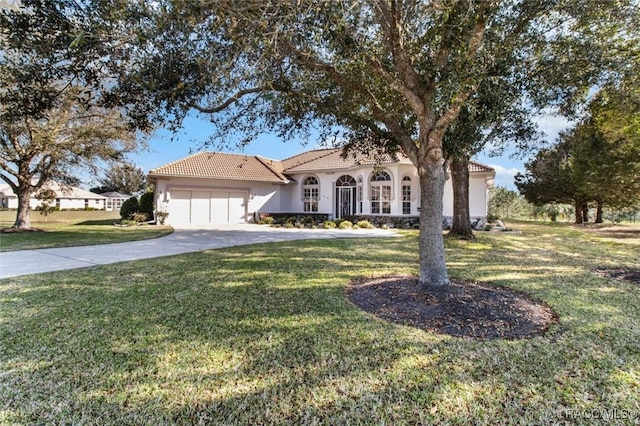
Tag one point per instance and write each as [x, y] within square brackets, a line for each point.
[146, 205]
[138, 211]
[129, 208]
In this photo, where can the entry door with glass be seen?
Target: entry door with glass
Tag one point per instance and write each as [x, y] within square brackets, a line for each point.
[345, 196]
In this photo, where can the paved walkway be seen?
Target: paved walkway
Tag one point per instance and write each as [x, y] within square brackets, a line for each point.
[25, 262]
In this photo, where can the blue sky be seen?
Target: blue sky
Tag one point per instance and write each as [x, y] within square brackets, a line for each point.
[163, 150]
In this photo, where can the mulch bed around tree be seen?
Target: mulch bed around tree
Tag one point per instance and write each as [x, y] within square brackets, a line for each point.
[623, 274]
[463, 309]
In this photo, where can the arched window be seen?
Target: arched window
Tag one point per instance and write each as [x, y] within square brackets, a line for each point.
[380, 192]
[310, 180]
[310, 194]
[380, 176]
[346, 180]
[406, 195]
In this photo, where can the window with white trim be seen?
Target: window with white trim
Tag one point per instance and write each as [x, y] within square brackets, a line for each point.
[406, 195]
[310, 194]
[380, 186]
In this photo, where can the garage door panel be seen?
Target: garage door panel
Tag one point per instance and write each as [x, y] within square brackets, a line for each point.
[179, 208]
[219, 207]
[237, 207]
[207, 207]
[200, 208]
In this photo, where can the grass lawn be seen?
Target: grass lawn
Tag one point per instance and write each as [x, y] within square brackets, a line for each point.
[263, 334]
[73, 228]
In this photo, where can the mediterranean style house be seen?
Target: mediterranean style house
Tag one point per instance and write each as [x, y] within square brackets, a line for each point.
[212, 188]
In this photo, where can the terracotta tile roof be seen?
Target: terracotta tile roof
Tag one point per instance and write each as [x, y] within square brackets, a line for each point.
[216, 165]
[305, 157]
[331, 159]
[478, 168]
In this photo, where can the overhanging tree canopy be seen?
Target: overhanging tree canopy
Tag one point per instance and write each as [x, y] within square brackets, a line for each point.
[51, 120]
[394, 74]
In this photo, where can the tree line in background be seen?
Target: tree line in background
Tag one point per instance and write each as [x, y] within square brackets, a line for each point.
[594, 163]
[124, 178]
[507, 204]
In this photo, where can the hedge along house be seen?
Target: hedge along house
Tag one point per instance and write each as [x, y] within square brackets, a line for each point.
[211, 188]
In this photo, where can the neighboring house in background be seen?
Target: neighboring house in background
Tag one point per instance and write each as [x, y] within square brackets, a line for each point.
[212, 188]
[114, 200]
[67, 197]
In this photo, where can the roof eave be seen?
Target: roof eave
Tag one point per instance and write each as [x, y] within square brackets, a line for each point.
[167, 175]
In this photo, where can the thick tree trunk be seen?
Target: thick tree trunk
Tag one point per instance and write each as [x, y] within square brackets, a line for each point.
[585, 213]
[461, 226]
[433, 270]
[23, 218]
[578, 212]
[599, 212]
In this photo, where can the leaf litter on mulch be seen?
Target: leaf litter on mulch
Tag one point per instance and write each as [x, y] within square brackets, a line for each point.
[462, 309]
[631, 275]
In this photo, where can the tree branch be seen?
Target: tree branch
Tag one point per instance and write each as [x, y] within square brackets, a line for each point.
[237, 96]
[5, 178]
[391, 23]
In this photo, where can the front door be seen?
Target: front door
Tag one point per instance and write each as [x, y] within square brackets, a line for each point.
[344, 202]
[345, 196]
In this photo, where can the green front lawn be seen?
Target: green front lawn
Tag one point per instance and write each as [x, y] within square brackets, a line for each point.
[263, 334]
[73, 228]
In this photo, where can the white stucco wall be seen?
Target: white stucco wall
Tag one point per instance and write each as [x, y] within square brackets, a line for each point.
[276, 198]
[447, 199]
[478, 191]
[478, 196]
[327, 181]
[77, 203]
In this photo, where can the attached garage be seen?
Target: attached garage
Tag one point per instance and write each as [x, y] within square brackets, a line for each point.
[197, 208]
[208, 189]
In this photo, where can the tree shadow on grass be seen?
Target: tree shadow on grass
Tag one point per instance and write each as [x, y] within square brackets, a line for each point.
[264, 334]
[96, 222]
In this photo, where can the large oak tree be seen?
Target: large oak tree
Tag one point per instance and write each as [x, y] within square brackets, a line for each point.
[393, 72]
[596, 47]
[52, 122]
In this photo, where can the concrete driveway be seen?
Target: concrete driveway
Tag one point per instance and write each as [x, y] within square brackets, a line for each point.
[25, 262]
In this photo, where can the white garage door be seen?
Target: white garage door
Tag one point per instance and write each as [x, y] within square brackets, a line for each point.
[201, 208]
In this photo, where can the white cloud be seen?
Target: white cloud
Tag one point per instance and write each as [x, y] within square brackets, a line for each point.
[551, 125]
[504, 176]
